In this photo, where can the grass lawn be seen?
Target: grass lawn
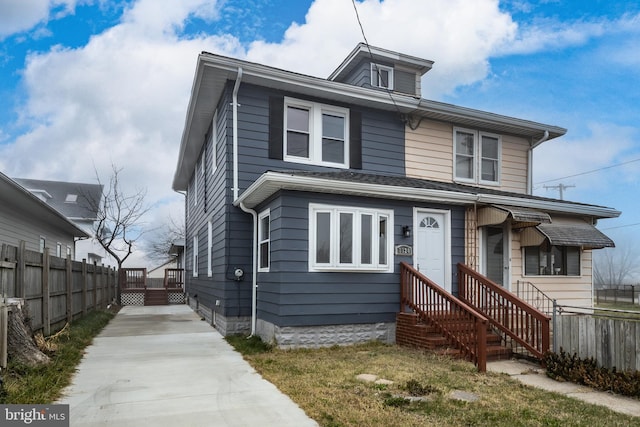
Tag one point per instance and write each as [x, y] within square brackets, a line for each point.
[323, 383]
[633, 310]
[43, 384]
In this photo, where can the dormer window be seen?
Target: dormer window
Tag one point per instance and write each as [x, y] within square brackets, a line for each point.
[382, 76]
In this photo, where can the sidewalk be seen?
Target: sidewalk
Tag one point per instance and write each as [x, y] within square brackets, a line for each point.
[534, 376]
[163, 366]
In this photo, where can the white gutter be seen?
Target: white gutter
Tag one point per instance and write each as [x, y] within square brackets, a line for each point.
[254, 273]
[530, 161]
[271, 182]
[235, 132]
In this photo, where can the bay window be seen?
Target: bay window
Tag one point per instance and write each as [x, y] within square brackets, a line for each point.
[264, 240]
[350, 238]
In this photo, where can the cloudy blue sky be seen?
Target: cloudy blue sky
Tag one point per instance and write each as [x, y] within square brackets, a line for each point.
[88, 83]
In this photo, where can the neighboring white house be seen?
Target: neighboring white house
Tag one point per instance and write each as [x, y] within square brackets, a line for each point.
[158, 272]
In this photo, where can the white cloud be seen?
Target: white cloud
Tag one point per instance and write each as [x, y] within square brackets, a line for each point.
[606, 145]
[122, 98]
[552, 34]
[458, 35]
[19, 15]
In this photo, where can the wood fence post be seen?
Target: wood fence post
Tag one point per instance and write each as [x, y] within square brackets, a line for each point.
[69, 283]
[102, 287]
[20, 269]
[95, 285]
[84, 287]
[46, 271]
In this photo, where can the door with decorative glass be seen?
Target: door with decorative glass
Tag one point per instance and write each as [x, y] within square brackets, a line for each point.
[432, 256]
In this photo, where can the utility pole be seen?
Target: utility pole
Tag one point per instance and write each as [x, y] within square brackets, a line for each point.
[560, 187]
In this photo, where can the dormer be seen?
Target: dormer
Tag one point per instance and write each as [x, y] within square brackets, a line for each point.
[374, 67]
[41, 194]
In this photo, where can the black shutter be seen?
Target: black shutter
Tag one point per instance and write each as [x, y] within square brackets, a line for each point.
[355, 140]
[276, 123]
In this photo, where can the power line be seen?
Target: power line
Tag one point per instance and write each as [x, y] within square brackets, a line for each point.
[371, 55]
[621, 226]
[588, 172]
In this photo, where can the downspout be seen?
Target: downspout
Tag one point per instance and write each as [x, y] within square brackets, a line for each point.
[235, 132]
[254, 278]
[530, 161]
[254, 275]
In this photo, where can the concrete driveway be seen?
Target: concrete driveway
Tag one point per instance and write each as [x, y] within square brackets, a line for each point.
[163, 366]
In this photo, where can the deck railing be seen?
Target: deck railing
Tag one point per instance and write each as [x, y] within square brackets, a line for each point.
[133, 278]
[174, 278]
[463, 326]
[523, 323]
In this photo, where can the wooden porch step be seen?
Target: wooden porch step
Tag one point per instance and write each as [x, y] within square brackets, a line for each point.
[156, 296]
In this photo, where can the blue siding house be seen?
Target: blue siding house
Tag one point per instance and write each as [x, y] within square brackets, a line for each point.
[303, 195]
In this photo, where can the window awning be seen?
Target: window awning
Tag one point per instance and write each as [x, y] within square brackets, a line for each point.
[577, 233]
[520, 217]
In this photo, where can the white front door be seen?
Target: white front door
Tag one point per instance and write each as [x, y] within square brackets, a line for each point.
[432, 253]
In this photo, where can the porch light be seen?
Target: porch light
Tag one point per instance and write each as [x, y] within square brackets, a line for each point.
[406, 231]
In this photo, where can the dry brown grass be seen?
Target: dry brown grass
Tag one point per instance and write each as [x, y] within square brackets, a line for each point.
[323, 383]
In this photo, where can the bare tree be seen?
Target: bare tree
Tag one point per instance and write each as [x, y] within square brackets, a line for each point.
[616, 266]
[117, 226]
[162, 238]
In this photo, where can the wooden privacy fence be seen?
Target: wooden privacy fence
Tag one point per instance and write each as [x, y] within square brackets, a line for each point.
[612, 342]
[56, 290]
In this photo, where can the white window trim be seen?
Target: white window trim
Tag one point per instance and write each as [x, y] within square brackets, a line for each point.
[42, 244]
[315, 132]
[58, 250]
[263, 214]
[356, 266]
[477, 157]
[195, 256]
[209, 248]
[214, 143]
[375, 77]
[479, 170]
[195, 187]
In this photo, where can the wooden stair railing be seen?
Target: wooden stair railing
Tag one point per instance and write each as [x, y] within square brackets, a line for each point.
[439, 308]
[523, 323]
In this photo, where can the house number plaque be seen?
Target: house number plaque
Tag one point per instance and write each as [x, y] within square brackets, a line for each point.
[404, 250]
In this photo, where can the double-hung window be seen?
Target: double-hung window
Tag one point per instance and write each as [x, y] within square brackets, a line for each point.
[316, 133]
[350, 238]
[477, 156]
[264, 240]
[381, 76]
